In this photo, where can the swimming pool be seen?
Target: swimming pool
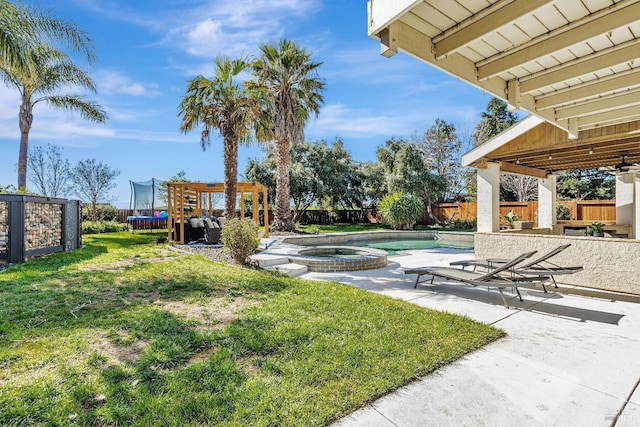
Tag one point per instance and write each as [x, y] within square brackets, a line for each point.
[391, 241]
[393, 246]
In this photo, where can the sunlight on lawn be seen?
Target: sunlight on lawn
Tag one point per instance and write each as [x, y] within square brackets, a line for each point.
[127, 331]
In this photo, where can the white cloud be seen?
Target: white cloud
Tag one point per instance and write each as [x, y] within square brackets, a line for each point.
[234, 28]
[111, 82]
[340, 120]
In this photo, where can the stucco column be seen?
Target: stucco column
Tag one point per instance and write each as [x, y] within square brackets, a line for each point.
[547, 201]
[635, 224]
[624, 198]
[489, 198]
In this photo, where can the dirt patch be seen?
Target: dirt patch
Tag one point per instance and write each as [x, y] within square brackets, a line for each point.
[131, 262]
[216, 313]
[121, 353]
[201, 356]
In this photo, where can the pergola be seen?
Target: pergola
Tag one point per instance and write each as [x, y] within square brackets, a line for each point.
[187, 199]
[572, 64]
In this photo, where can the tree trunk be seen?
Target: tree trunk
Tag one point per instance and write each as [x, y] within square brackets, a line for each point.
[25, 119]
[282, 217]
[230, 176]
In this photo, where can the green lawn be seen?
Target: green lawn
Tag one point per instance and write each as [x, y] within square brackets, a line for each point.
[129, 332]
[341, 228]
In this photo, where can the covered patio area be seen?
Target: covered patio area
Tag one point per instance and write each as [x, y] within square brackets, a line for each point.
[574, 66]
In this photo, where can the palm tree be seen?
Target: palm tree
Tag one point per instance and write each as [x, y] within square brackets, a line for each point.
[46, 69]
[287, 75]
[223, 104]
[22, 28]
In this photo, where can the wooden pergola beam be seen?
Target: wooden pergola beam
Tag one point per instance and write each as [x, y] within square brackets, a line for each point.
[178, 193]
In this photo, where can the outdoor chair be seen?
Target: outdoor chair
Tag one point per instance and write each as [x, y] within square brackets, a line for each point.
[540, 267]
[198, 231]
[501, 277]
[212, 235]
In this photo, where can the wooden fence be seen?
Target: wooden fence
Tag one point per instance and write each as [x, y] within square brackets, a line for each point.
[581, 210]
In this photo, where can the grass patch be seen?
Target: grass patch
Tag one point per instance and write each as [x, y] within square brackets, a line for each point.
[354, 228]
[341, 228]
[130, 332]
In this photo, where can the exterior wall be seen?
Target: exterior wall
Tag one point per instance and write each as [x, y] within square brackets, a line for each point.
[610, 264]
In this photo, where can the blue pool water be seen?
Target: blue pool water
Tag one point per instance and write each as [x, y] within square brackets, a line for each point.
[393, 246]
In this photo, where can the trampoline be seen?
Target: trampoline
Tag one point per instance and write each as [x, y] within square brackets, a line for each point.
[147, 205]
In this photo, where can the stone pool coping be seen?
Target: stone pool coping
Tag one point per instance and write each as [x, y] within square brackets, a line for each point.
[366, 259]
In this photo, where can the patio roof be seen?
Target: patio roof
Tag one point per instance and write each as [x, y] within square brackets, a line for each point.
[573, 63]
[534, 147]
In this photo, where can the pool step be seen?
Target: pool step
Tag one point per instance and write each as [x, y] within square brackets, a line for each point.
[268, 260]
[290, 269]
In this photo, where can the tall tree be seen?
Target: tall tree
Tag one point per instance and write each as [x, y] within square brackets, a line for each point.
[223, 104]
[318, 173]
[495, 119]
[92, 182]
[441, 149]
[49, 171]
[289, 78]
[48, 71]
[586, 184]
[40, 69]
[23, 27]
[407, 171]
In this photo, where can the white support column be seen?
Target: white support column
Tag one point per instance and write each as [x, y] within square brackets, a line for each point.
[624, 198]
[547, 202]
[635, 224]
[489, 198]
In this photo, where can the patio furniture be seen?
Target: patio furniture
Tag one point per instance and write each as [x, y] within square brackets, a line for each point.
[540, 267]
[213, 230]
[198, 230]
[500, 277]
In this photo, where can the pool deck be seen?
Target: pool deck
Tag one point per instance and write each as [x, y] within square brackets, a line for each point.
[571, 357]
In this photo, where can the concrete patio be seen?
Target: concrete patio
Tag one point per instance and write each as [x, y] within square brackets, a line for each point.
[570, 357]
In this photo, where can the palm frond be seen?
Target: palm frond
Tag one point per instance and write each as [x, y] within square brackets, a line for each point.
[88, 110]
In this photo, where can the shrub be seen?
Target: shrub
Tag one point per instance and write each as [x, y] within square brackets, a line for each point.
[240, 237]
[465, 224]
[104, 212]
[563, 212]
[511, 217]
[95, 227]
[401, 211]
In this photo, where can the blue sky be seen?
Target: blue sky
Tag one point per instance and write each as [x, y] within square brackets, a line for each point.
[147, 50]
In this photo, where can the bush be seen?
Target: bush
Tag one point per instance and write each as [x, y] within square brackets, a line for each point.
[401, 211]
[104, 212]
[240, 237]
[563, 212]
[465, 224]
[95, 227]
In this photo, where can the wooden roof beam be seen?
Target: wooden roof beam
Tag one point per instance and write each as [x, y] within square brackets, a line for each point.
[627, 80]
[522, 170]
[621, 115]
[598, 23]
[419, 45]
[601, 105]
[582, 66]
[499, 14]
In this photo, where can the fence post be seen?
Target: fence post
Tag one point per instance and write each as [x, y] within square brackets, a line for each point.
[16, 249]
